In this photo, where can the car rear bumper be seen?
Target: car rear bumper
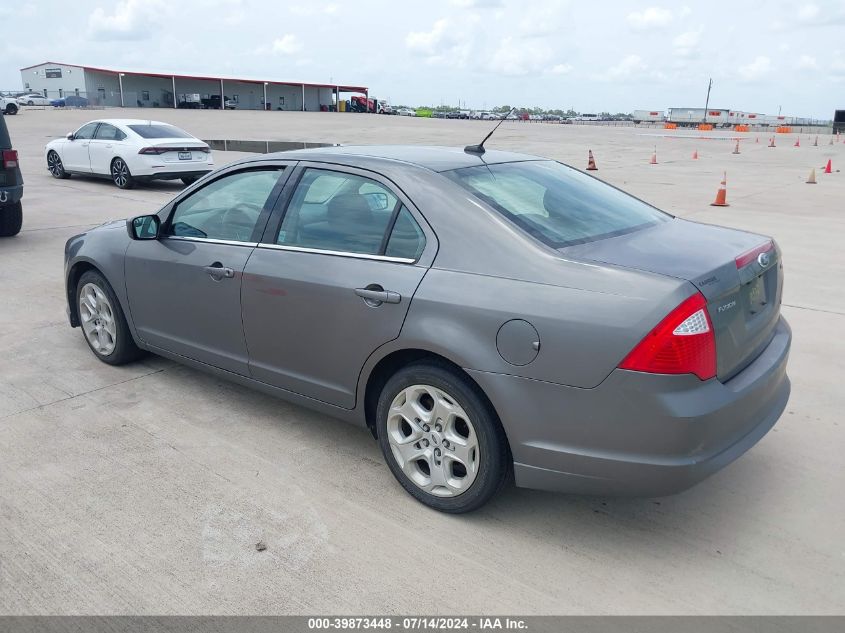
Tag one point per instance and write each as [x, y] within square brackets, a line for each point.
[175, 175]
[638, 434]
[10, 195]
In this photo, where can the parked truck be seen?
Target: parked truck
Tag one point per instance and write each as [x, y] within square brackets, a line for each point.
[649, 116]
[691, 117]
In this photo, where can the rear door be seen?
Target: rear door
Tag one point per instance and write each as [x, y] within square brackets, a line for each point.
[332, 280]
[75, 152]
[185, 288]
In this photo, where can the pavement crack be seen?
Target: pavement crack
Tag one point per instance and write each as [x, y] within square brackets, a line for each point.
[792, 305]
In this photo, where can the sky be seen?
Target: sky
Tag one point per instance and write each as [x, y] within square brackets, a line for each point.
[590, 56]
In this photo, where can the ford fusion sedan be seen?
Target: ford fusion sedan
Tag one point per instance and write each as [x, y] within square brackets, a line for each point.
[128, 151]
[481, 313]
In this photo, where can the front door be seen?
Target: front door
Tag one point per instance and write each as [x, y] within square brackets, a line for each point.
[75, 152]
[332, 284]
[184, 288]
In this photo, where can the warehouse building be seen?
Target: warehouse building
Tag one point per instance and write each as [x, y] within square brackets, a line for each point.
[129, 88]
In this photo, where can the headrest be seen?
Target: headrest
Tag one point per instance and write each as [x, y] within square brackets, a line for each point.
[349, 207]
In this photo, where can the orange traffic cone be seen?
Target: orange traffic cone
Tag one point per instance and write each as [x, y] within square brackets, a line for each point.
[772, 142]
[653, 160]
[722, 194]
[812, 178]
[797, 142]
[736, 149]
[695, 155]
[591, 162]
[816, 142]
[827, 168]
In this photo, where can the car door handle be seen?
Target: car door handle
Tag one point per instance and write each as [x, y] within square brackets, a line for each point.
[218, 271]
[375, 295]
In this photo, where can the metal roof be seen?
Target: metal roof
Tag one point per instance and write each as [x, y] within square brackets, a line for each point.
[168, 75]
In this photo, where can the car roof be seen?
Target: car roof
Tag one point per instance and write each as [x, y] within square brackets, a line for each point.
[131, 122]
[429, 157]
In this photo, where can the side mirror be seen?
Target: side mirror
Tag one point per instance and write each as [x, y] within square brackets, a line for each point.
[70, 136]
[144, 227]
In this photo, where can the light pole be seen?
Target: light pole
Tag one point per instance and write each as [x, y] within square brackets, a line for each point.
[120, 85]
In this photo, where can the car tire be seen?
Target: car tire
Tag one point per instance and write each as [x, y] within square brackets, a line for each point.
[189, 180]
[11, 109]
[120, 174]
[55, 165]
[11, 219]
[454, 455]
[29, 103]
[103, 323]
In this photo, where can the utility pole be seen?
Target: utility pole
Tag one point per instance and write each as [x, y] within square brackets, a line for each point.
[707, 102]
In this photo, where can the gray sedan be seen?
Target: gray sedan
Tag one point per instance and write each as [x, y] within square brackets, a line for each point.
[482, 314]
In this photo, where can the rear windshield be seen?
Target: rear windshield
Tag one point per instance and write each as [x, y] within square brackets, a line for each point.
[5, 141]
[556, 204]
[159, 131]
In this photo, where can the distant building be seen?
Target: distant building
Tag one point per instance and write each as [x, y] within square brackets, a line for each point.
[131, 88]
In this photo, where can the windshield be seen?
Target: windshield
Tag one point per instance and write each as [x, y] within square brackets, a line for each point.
[159, 131]
[558, 205]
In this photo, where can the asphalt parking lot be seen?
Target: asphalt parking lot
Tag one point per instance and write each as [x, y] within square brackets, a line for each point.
[144, 489]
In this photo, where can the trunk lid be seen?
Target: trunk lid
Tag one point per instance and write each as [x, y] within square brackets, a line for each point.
[743, 289]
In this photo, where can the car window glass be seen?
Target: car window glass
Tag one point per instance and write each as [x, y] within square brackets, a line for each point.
[407, 239]
[108, 132]
[226, 209]
[86, 131]
[556, 204]
[155, 130]
[338, 212]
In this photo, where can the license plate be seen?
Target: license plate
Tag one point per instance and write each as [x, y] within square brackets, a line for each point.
[185, 156]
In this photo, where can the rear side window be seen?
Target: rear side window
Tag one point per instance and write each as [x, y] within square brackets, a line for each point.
[556, 204]
[406, 239]
[159, 131]
[340, 212]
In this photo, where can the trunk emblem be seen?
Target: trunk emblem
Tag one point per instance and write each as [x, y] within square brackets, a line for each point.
[763, 259]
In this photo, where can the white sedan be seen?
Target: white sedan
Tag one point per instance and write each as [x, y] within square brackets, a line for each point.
[128, 151]
[34, 99]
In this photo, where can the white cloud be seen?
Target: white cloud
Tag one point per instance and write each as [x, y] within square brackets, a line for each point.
[757, 69]
[561, 69]
[684, 12]
[806, 62]
[808, 13]
[652, 17]
[131, 20]
[478, 4]
[542, 21]
[446, 44]
[314, 9]
[686, 44]
[430, 42]
[287, 44]
[516, 56]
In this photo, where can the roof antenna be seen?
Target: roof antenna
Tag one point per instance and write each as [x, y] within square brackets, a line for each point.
[479, 149]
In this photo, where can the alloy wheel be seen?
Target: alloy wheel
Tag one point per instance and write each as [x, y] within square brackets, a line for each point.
[433, 440]
[97, 318]
[54, 165]
[119, 172]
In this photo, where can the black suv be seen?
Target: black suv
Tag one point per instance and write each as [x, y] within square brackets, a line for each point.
[11, 185]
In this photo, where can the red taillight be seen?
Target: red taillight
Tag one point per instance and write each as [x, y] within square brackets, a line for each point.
[153, 150]
[682, 343]
[10, 159]
[750, 256]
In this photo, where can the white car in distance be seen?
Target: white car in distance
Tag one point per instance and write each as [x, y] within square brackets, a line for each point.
[33, 99]
[128, 151]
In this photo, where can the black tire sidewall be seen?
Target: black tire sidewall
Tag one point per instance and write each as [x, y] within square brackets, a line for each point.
[125, 349]
[64, 174]
[11, 219]
[495, 457]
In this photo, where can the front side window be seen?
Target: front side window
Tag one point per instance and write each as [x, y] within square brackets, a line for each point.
[341, 212]
[86, 131]
[556, 204]
[226, 209]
